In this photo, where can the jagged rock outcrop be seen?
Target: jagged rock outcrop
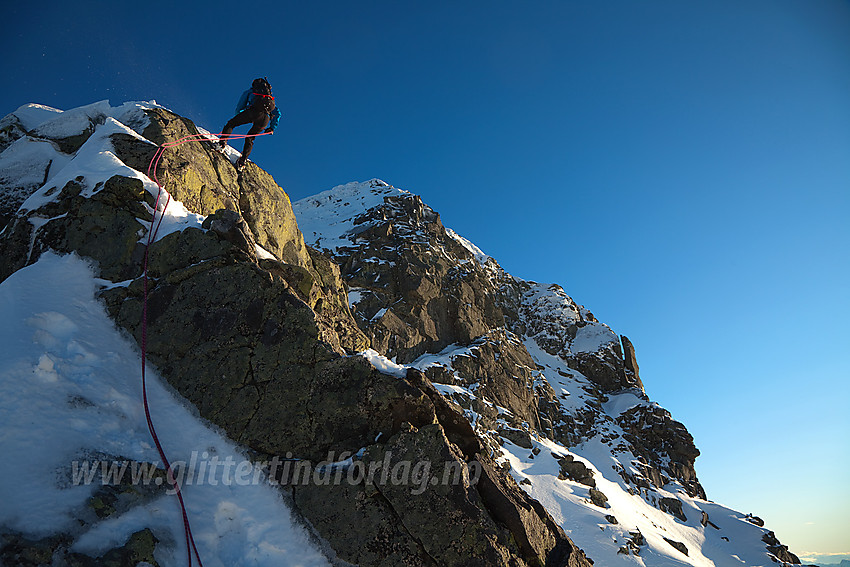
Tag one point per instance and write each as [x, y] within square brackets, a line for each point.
[630, 362]
[665, 444]
[37, 141]
[678, 545]
[523, 360]
[781, 552]
[205, 181]
[415, 300]
[419, 288]
[575, 471]
[500, 369]
[563, 328]
[11, 129]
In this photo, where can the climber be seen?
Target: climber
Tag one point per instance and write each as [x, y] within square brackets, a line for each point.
[256, 107]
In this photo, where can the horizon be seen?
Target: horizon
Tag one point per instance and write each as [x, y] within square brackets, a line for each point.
[681, 171]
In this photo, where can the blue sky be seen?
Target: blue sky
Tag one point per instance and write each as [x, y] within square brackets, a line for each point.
[681, 168]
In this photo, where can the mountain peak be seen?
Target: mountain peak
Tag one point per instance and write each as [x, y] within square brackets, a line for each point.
[328, 219]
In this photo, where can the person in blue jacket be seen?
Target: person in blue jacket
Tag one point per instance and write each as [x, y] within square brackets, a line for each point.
[256, 107]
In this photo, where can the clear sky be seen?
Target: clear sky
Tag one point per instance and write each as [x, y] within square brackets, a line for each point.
[682, 168]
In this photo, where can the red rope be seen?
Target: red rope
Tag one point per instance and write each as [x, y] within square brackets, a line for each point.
[152, 167]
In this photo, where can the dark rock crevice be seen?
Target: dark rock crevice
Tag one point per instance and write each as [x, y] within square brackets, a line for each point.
[427, 558]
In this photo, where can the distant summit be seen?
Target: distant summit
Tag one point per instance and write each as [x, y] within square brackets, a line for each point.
[554, 393]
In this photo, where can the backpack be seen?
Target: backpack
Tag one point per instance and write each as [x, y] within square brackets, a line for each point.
[262, 92]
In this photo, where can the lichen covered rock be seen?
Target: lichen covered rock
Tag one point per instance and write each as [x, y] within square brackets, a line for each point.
[205, 181]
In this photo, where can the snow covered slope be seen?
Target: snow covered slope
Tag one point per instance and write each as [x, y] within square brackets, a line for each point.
[70, 391]
[554, 390]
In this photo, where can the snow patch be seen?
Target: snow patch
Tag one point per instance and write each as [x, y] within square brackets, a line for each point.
[94, 161]
[475, 250]
[377, 316]
[32, 116]
[355, 296]
[619, 403]
[442, 358]
[74, 122]
[25, 161]
[175, 218]
[264, 254]
[327, 220]
[384, 364]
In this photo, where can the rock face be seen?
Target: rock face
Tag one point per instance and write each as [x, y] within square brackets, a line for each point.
[205, 181]
[416, 299]
[630, 362]
[651, 433]
[418, 288]
[254, 329]
[524, 362]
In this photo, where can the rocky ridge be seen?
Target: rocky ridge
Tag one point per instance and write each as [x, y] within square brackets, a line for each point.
[538, 376]
[419, 290]
[253, 328]
[258, 308]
